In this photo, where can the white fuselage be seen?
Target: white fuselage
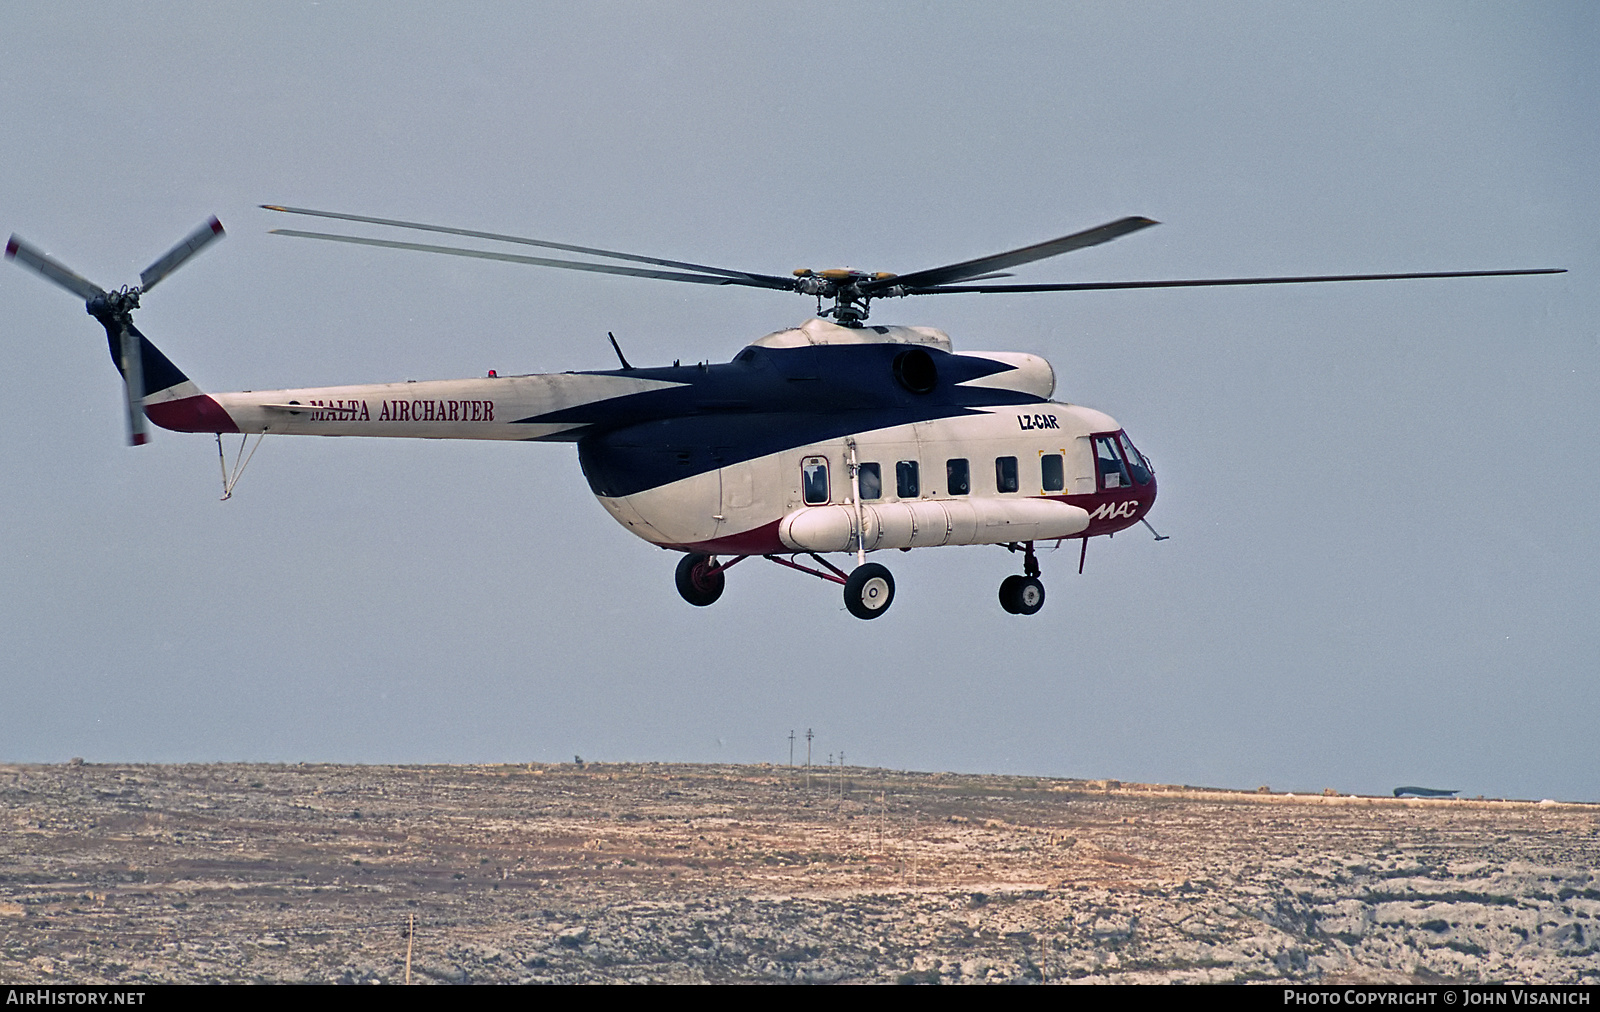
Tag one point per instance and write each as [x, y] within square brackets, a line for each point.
[749, 499]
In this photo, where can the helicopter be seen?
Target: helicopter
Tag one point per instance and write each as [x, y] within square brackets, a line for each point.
[832, 437]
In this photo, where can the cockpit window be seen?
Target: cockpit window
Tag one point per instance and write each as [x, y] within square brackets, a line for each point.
[814, 480]
[1108, 463]
[1137, 465]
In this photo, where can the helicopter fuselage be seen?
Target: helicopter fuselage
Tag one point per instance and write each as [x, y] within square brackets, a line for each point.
[818, 438]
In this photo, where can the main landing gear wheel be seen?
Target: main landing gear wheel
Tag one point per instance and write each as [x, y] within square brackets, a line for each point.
[1021, 595]
[698, 582]
[869, 591]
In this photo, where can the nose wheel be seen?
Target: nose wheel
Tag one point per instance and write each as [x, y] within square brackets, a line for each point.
[1023, 595]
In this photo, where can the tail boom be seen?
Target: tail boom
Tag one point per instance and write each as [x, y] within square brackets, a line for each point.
[543, 407]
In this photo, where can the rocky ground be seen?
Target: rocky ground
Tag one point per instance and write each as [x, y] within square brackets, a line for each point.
[730, 873]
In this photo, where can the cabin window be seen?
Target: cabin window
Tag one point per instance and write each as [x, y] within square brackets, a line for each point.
[907, 485]
[814, 480]
[1005, 474]
[958, 476]
[1137, 465]
[1051, 473]
[1108, 463]
[871, 478]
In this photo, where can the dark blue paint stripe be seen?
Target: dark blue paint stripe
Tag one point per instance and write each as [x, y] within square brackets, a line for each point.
[811, 380]
[633, 460]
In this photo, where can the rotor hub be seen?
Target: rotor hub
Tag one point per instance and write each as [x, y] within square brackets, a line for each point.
[850, 302]
[114, 305]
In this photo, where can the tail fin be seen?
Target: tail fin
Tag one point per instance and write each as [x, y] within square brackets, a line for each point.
[170, 398]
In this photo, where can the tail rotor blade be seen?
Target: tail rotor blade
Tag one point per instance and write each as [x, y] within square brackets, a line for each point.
[133, 386]
[50, 270]
[193, 243]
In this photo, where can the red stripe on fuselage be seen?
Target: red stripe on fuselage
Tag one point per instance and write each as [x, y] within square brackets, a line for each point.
[191, 414]
[1114, 509]
[1117, 510]
[761, 540]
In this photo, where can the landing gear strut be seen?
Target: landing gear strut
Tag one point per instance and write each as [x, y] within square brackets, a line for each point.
[1023, 595]
[868, 590]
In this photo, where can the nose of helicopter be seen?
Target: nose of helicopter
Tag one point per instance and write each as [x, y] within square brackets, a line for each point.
[1144, 476]
[1125, 473]
[1147, 491]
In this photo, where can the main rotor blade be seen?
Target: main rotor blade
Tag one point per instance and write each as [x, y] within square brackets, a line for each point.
[36, 261]
[1090, 286]
[192, 243]
[991, 277]
[774, 282]
[572, 265]
[983, 265]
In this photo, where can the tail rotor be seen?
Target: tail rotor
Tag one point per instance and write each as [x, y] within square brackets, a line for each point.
[114, 310]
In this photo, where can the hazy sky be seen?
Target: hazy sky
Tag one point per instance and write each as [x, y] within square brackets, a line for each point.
[1381, 498]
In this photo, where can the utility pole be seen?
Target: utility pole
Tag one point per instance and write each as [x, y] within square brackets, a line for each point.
[411, 934]
[791, 746]
[808, 758]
